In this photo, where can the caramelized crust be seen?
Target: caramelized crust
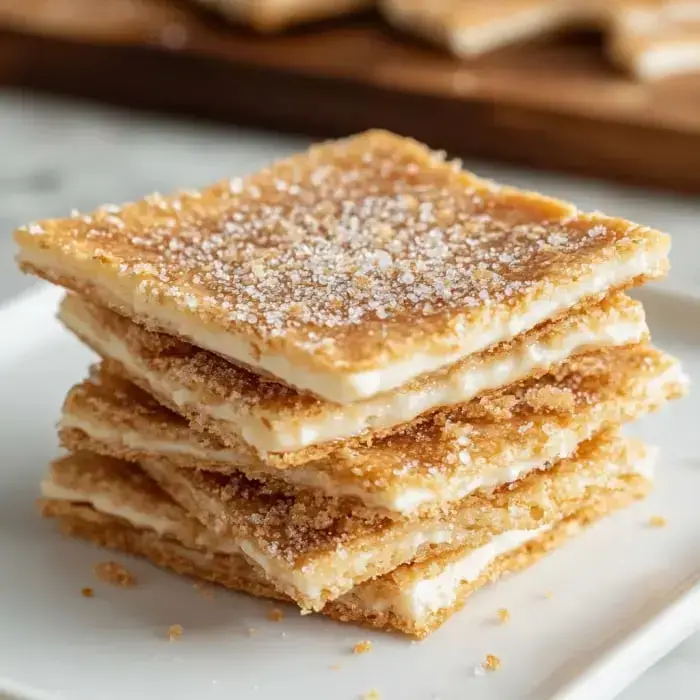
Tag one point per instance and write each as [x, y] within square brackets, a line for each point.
[345, 258]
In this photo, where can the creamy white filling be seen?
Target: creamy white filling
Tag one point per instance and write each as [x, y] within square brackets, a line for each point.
[136, 441]
[429, 595]
[349, 387]
[416, 601]
[398, 498]
[162, 525]
[271, 433]
[422, 597]
[302, 580]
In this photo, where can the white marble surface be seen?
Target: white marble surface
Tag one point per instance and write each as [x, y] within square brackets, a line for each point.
[57, 155]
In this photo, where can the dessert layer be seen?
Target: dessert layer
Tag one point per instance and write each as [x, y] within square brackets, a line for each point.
[346, 271]
[493, 440]
[285, 427]
[314, 550]
[415, 599]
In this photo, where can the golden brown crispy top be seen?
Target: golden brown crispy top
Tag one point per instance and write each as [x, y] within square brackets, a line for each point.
[349, 253]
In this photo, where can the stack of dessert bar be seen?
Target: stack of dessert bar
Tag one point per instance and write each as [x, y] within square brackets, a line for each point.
[363, 380]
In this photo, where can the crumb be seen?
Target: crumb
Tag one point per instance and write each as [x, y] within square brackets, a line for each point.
[275, 615]
[87, 592]
[503, 615]
[551, 399]
[174, 633]
[549, 595]
[492, 663]
[657, 521]
[114, 573]
[252, 631]
[362, 647]
[336, 667]
[373, 695]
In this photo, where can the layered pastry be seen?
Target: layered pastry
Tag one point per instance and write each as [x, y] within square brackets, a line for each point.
[115, 504]
[489, 442]
[363, 380]
[649, 38]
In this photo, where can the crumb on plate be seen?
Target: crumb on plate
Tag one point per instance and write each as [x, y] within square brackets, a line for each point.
[275, 615]
[657, 521]
[116, 574]
[174, 632]
[503, 615]
[373, 695]
[492, 663]
[363, 647]
[87, 593]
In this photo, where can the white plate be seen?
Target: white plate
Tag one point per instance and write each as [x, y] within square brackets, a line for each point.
[622, 595]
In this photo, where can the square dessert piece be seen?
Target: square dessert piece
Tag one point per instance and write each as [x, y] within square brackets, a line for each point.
[348, 270]
[315, 557]
[487, 443]
[116, 505]
[284, 427]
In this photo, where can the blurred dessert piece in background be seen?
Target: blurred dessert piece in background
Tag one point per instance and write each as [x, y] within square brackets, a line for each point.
[107, 20]
[648, 38]
[268, 16]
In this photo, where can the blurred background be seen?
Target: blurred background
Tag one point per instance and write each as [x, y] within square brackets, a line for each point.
[596, 102]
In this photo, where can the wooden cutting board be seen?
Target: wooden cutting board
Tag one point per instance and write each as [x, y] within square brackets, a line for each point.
[555, 104]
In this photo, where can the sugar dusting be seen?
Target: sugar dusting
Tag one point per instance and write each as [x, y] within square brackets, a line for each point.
[371, 230]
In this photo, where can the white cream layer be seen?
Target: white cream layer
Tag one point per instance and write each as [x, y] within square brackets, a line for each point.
[350, 387]
[268, 432]
[421, 598]
[405, 500]
[416, 601]
[428, 595]
[103, 503]
[283, 576]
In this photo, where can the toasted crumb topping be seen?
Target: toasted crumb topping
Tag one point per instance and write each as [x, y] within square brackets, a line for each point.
[551, 398]
[275, 615]
[115, 573]
[363, 647]
[657, 521]
[503, 615]
[492, 663]
[174, 633]
[87, 593]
